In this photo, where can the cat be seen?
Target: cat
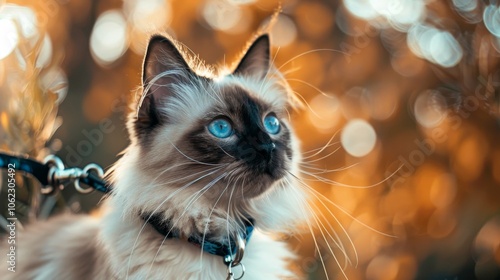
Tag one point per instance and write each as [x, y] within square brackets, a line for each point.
[213, 164]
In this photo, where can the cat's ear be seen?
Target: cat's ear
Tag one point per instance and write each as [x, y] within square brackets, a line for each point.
[163, 66]
[257, 58]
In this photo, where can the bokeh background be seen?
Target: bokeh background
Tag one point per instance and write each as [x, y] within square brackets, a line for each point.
[407, 92]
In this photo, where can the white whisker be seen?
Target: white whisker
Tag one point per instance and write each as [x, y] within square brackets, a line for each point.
[308, 52]
[320, 150]
[324, 170]
[323, 157]
[317, 247]
[310, 85]
[208, 221]
[335, 183]
[193, 160]
[307, 104]
[342, 209]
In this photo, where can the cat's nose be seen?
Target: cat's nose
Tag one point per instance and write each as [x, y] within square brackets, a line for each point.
[258, 150]
[265, 146]
[266, 150]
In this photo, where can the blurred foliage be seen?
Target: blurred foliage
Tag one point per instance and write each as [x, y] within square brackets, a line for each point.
[407, 89]
[31, 88]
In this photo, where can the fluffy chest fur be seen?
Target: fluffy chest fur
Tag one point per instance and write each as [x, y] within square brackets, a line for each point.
[156, 258]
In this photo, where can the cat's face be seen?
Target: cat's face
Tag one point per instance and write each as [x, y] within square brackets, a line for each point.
[246, 135]
[219, 142]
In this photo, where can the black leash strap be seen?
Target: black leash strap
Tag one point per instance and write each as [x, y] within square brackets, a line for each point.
[52, 173]
[27, 165]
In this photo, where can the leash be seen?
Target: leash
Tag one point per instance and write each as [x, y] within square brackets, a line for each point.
[53, 175]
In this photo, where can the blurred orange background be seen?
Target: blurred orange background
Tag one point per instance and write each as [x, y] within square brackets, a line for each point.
[407, 89]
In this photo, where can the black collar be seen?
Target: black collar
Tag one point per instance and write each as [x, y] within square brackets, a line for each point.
[225, 250]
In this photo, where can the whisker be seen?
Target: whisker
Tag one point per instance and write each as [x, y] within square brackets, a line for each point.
[308, 52]
[290, 70]
[320, 150]
[310, 85]
[323, 157]
[227, 214]
[307, 104]
[316, 193]
[316, 149]
[267, 77]
[181, 178]
[337, 241]
[316, 244]
[225, 151]
[335, 183]
[288, 114]
[203, 163]
[324, 170]
[208, 221]
[215, 93]
[320, 226]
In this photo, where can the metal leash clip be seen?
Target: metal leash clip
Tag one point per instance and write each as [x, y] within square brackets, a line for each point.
[233, 262]
[59, 175]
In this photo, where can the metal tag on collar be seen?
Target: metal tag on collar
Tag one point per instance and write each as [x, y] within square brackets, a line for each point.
[240, 251]
[230, 273]
[233, 262]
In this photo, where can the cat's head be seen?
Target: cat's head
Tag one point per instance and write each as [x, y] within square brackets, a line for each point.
[211, 146]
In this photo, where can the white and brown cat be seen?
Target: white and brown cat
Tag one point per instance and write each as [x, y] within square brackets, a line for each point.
[212, 159]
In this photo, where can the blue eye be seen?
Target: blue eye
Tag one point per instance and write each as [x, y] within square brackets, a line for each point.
[220, 128]
[272, 124]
